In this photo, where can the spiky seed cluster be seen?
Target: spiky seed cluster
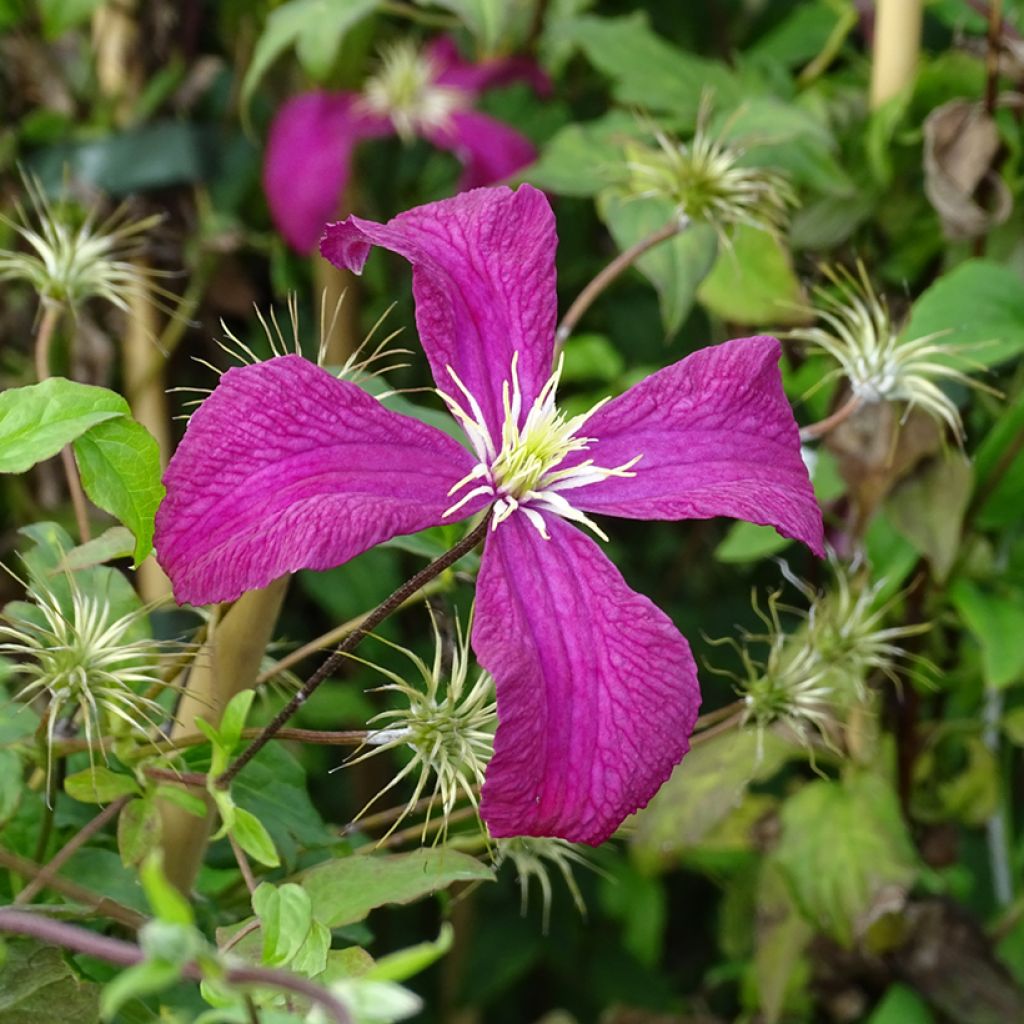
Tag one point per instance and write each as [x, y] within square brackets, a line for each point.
[405, 91]
[73, 259]
[534, 859]
[707, 181]
[91, 665]
[808, 677]
[371, 359]
[881, 364]
[447, 724]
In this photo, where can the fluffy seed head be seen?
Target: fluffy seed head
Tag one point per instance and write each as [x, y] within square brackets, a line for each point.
[534, 859]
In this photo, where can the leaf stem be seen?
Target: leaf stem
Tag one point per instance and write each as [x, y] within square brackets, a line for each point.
[623, 261]
[373, 619]
[830, 422]
[127, 954]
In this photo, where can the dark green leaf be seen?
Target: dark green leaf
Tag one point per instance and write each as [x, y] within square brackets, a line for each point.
[35, 979]
[997, 623]
[138, 831]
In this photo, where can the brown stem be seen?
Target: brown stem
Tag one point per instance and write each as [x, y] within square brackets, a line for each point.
[73, 891]
[822, 427]
[78, 501]
[126, 954]
[995, 32]
[243, 864]
[378, 615]
[621, 262]
[46, 873]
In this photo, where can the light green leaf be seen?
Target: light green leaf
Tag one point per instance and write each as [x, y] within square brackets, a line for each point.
[115, 542]
[232, 722]
[487, 20]
[997, 623]
[286, 914]
[252, 836]
[753, 282]
[675, 267]
[980, 304]
[844, 844]
[168, 904]
[34, 979]
[38, 420]
[782, 935]
[647, 71]
[119, 462]
[1013, 726]
[590, 358]
[181, 797]
[58, 16]
[704, 788]
[410, 961]
[346, 890]
[377, 1002]
[99, 785]
[316, 27]
[582, 159]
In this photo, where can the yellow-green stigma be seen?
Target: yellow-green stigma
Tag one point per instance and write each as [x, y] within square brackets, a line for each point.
[526, 472]
[405, 91]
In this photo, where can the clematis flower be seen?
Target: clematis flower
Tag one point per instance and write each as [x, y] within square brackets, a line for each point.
[428, 93]
[285, 468]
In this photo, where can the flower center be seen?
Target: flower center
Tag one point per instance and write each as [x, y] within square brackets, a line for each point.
[525, 471]
[404, 90]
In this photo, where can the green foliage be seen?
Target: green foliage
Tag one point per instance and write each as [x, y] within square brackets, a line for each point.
[845, 852]
[34, 979]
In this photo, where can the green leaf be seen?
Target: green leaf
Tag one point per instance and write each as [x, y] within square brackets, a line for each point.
[648, 72]
[1013, 726]
[10, 784]
[115, 542]
[999, 471]
[38, 420]
[168, 904]
[980, 306]
[590, 358]
[997, 623]
[119, 462]
[928, 509]
[487, 20]
[582, 159]
[138, 831]
[315, 27]
[843, 845]
[782, 935]
[346, 890]
[901, 1005]
[753, 282]
[286, 916]
[704, 788]
[182, 798]
[232, 722]
[251, 835]
[99, 785]
[675, 267]
[58, 16]
[413, 959]
[35, 979]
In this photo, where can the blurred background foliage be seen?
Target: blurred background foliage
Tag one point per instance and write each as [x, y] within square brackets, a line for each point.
[856, 857]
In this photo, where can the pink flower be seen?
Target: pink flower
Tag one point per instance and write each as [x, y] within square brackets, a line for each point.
[429, 94]
[285, 467]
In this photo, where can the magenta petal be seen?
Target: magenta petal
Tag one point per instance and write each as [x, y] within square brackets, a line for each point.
[306, 167]
[457, 73]
[716, 437]
[597, 690]
[284, 467]
[484, 283]
[489, 150]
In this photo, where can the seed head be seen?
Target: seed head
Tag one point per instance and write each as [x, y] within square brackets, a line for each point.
[72, 257]
[879, 362]
[534, 858]
[446, 723]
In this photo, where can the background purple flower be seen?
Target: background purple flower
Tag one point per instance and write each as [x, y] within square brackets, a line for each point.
[285, 467]
[428, 93]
